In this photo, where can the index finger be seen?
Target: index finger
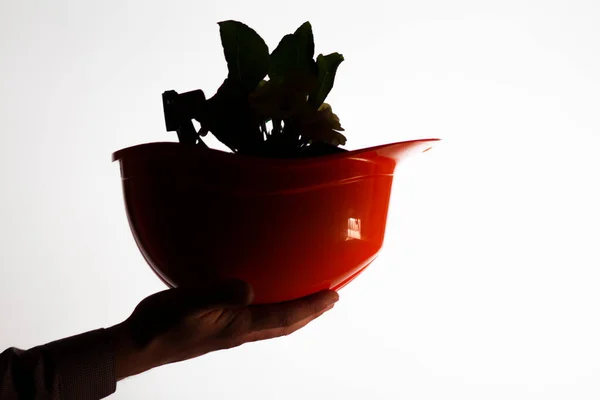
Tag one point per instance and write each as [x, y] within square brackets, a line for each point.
[287, 314]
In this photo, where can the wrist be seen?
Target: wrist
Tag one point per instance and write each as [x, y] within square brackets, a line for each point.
[130, 359]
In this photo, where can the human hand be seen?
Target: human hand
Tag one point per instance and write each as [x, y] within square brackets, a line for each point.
[179, 324]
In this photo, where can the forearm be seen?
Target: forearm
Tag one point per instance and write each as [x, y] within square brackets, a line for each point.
[79, 367]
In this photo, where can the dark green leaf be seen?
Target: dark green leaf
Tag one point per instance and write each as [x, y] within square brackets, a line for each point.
[305, 37]
[294, 54]
[246, 53]
[228, 116]
[327, 67]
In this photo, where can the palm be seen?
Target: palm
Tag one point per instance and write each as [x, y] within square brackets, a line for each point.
[179, 324]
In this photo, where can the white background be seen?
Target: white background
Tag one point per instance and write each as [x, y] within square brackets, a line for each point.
[488, 287]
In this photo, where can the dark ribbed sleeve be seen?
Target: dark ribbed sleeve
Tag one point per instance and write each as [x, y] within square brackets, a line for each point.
[80, 367]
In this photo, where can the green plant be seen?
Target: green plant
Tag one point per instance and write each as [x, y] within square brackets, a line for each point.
[282, 116]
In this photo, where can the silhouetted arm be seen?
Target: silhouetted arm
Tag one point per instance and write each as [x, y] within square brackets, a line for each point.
[79, 367]
[168, 327]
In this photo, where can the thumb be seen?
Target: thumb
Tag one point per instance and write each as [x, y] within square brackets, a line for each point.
[229, 294]
[160, 312]
[226, 294]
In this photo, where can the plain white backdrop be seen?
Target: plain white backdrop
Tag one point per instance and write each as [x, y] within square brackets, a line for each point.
[488, 287]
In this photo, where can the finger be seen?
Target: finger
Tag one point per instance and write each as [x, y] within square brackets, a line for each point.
[283, 331]
[287, 314]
